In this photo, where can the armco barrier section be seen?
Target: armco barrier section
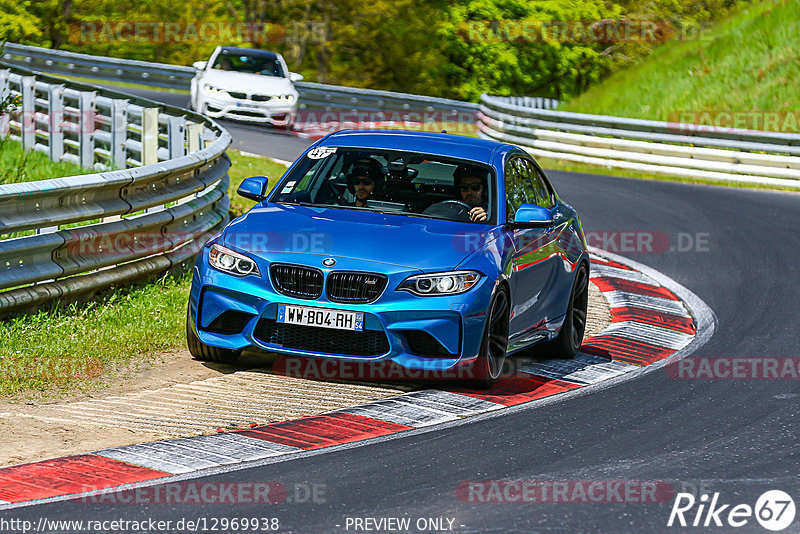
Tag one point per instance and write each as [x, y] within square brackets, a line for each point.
[98, 67]
[692, 151]
[160, 193]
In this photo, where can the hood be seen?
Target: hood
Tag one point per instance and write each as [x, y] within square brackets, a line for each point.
[248, 83]
[276, 232]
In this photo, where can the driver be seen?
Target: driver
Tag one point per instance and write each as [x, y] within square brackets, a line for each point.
[470, 183]
[364, 180]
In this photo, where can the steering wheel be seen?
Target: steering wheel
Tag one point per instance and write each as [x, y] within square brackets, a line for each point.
[450, 209]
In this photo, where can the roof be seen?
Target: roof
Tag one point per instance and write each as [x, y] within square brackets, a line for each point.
[248, 51]
[455, 146]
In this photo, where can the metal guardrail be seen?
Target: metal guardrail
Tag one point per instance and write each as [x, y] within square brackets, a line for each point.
[734, 155]
[98, 67]
[334, 97]
[160, 195]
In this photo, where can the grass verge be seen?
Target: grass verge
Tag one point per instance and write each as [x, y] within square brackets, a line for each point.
[17, 166]
[749, 62]
[62, 349]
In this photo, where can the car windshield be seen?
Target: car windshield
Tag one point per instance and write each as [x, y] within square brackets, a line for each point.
[250, 63]
[390, 181]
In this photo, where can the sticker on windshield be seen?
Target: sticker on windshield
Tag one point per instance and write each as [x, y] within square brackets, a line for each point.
[288, 187]
[321, 152]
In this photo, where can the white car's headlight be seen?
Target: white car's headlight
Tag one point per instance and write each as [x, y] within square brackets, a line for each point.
[216, 91]
[449, 283]
[232, 262]
[288, 98]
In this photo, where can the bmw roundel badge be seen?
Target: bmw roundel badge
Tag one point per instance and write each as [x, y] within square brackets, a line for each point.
[328, 262]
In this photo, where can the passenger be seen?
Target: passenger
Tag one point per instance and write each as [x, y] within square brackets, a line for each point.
[364, 180]
[470, 183]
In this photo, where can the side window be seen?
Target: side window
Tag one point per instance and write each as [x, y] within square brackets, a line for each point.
[524, 186]
[515, 187]
[541, 192]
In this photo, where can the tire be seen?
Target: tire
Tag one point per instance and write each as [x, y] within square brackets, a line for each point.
[569, 339]
[207, 353]
[489, 365]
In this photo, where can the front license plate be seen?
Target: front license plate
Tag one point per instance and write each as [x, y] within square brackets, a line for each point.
[321, 317]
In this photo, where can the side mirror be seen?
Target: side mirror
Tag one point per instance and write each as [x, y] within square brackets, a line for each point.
[200, 65]
[254, 188]
[295, 77]
[532, 216]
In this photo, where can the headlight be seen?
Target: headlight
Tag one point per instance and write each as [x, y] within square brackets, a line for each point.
[430, 285]
[288, 98]
[215, 90]
[232, 262]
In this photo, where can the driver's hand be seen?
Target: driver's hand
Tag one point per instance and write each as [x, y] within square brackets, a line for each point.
[477, 214]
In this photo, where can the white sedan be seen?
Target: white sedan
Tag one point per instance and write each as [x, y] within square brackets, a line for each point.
[245, 84]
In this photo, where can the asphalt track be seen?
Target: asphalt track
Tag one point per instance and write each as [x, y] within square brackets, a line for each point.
[736, 437]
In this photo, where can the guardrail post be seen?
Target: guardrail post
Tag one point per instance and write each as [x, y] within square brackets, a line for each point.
[86, 128]
[194, 133]
[27, 120]
[119, 133]
[56, 121]
[4, 92]
[176, 137]
[149, 136]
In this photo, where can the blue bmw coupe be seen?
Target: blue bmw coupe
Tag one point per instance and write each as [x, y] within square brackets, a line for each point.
[432, 251]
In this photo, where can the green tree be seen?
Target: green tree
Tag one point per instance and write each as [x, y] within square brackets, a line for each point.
[17, 22]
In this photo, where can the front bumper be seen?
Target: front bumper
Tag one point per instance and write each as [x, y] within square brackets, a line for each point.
[278, 114]
[452, 327]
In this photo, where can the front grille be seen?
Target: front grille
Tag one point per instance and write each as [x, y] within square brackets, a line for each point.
[424, 344]
[358, 288]
[296, 281]
[322, 340]
[245, 113]
[229, 323]
[240, 96]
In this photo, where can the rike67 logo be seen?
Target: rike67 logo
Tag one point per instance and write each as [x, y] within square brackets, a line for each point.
[774, 510]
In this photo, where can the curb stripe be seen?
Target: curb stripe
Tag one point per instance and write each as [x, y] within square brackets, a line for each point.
[619, 284]
[323, 430]
[64, 476]
[396, 410]
[655, 335]
[625, 350]
[238, 448]
[517, 390]
[601, 271]
[583, 369]
[597, 260]
[447, 401]
[619, 299]
[146, 455]
[645, 316]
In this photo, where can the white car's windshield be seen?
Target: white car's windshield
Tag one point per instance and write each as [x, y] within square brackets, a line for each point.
[238, 61]
[405, 183]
